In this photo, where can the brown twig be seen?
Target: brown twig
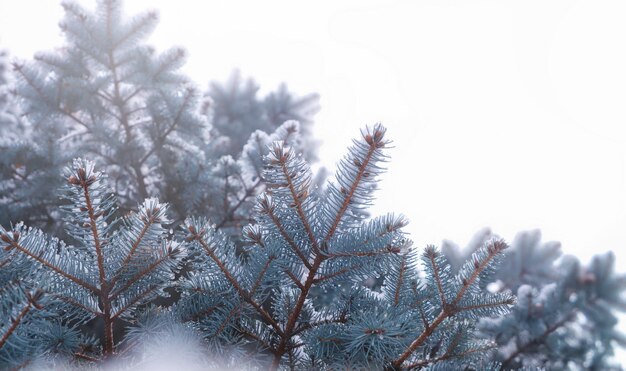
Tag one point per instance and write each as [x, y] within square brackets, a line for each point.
[16, 321]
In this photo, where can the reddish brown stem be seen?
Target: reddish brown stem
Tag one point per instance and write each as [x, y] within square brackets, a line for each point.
[108, 346]
[141, 274]
[291, 322]
[259, 279]
[446, 356]
[142, 233]
[290, 241]
[350, 193]
[537, 340]
[396, 297]
[56, 269]
[298, 204]
[14, 324]
[230, 214]
[442, 295]
[137, 298]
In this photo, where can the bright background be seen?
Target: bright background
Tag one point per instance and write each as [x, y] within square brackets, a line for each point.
[505, 114]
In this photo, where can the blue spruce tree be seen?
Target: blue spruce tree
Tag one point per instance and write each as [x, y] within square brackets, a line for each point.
[109, 96]
[305, 239]
[565, 316]
[30, 320]
[112, 266]
[258, 296]
[238, 112]
[265, 262]
[24, 174]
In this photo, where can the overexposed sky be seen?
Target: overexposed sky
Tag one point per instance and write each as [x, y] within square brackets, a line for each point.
[504, 114]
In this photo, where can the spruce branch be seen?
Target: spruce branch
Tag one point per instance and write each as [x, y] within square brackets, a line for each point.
[270, 211]
[306, 243]
[286, 246]
[396, 296]
[352, 186]
[448, 355]
[537, 340]
[110, 271]
[282, 156]
[30, 252]
[200, 235]
[479, 264]
[374, 142]
[15, 322]
[431, 254]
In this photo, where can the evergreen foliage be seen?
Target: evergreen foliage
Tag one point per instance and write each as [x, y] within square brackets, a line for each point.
[565, 316]
[306, 238]
[112, 266]
[9, 118]
[29, 322]
[109, 96]
[238, 112]
[266, 295]
[16, 200]
[251, 261]
[258, 296]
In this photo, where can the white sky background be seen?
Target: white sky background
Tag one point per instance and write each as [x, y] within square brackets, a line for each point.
[504, 114]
